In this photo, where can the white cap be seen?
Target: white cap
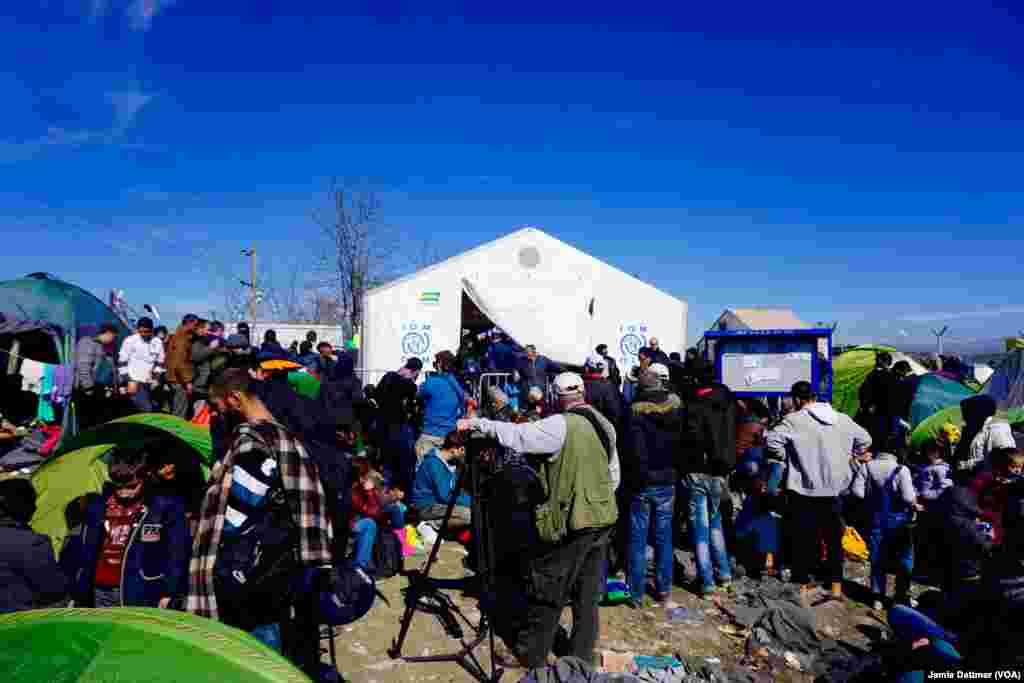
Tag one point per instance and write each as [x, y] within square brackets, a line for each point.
[568, 383]
[595, 362]
[660, 370]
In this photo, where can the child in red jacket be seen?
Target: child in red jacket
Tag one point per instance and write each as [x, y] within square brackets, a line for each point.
[993, 488]
[374, 506]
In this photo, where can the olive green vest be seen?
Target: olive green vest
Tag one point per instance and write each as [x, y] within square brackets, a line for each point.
[577, 484]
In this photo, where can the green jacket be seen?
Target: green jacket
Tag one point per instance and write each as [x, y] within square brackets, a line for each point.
[578, 485]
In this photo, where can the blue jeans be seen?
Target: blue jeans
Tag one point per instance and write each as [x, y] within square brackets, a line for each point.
[706, 533]
[269, 635]
[658, 501]
[940, 654]
[887, 547]
[365, 533]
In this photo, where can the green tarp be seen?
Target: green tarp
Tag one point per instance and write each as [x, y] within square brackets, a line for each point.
[72, 474]
[133, 645]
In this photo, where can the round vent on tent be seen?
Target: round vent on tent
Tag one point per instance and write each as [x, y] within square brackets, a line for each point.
[529, 257]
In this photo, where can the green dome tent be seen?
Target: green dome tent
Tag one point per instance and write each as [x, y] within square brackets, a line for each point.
[80, 468]
[42, 319]
[850, 369]
[130, 645]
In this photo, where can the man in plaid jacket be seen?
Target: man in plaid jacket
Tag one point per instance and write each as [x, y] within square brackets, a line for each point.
[265, 464]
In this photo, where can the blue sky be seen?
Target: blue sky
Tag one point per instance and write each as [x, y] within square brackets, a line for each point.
[859, 165]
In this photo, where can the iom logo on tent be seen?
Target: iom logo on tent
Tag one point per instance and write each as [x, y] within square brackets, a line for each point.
[416, 339]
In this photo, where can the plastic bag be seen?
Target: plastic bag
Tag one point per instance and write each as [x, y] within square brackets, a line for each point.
[854, 546]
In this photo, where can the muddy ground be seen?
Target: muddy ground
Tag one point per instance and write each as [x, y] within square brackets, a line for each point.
[362, 647]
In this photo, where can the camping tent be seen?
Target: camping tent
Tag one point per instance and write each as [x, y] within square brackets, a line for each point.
[536, 288]
[1006, 386]
[80, 467]
[134, 644]
[42, 319]
[933, 393]
[850, 369]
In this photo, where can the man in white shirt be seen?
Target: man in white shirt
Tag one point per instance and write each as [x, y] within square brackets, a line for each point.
[140, 362]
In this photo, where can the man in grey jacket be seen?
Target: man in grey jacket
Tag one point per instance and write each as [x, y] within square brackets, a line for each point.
[89, 355]
[814, 444]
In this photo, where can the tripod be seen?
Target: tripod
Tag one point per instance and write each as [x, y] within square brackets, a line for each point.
[424, 593]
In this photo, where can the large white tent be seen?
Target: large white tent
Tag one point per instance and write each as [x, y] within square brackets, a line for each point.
[536, 288]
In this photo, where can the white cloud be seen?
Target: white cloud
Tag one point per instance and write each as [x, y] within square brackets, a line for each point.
[965, 315]
[126, 106]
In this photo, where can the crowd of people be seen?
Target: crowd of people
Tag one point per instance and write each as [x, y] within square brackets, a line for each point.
[595, 464]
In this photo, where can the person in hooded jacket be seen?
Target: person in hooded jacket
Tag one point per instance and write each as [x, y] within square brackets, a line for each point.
[650, 469]
[708, 456]
[982, 435]
[814, 444]
[30, 577]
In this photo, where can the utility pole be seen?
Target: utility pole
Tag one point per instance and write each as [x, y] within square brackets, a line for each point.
[939, 334]
[251, 253]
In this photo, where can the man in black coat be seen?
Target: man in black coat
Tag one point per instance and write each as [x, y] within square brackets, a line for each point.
[600, 392]
[879, 399]
[709, 455]
[650, 471]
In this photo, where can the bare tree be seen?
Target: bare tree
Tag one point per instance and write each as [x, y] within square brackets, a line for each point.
[359, 247]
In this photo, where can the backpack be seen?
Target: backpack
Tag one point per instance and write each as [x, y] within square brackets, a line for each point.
[387, 554]
[254, 571]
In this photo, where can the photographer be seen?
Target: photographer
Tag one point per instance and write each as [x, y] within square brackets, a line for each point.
[579, 473]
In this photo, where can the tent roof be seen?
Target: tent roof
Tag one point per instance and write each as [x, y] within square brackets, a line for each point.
[136, 430]
[80, 467]
[767, 318]
[134, 644]
[510, 238]
[40, 301]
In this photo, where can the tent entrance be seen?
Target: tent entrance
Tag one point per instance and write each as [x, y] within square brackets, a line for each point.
[473, 320]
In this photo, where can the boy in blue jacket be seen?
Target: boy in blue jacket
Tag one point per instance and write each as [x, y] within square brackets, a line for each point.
[135, 548]
[435, 484]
